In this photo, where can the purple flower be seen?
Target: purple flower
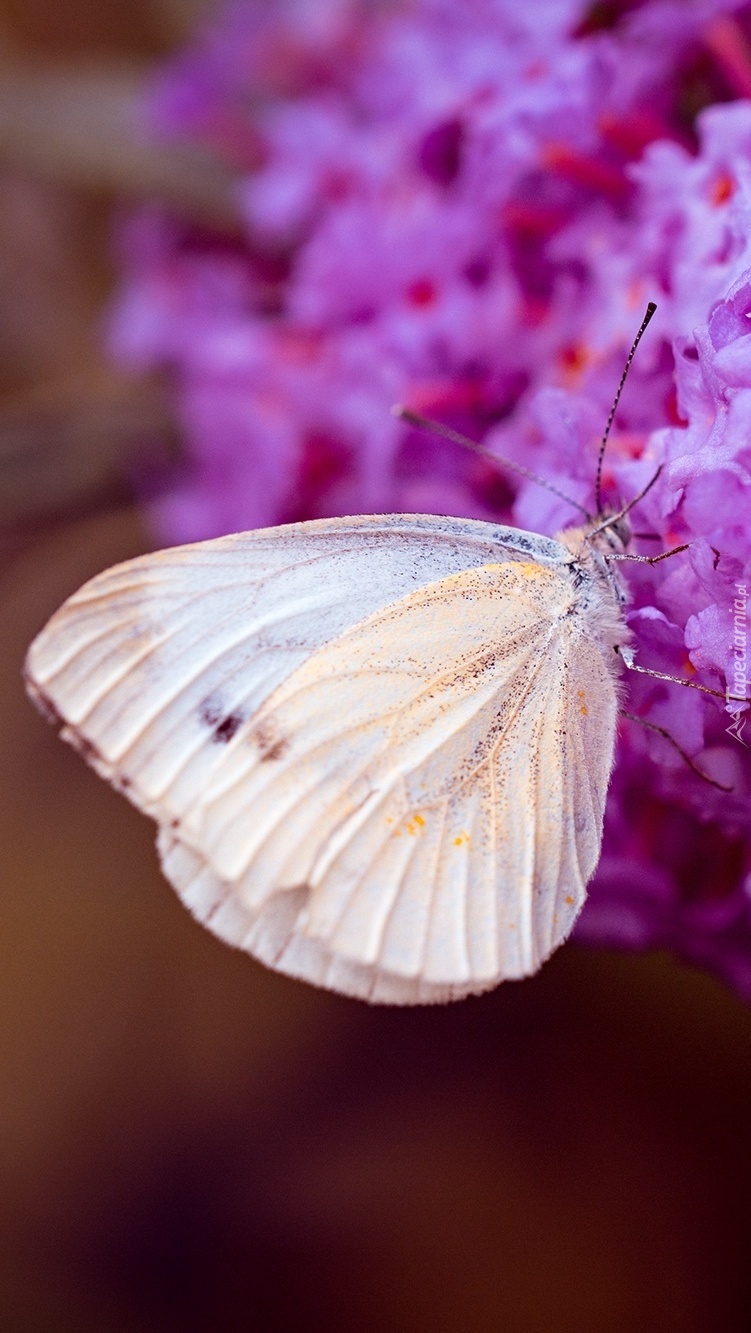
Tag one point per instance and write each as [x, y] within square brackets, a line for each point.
[466, 208]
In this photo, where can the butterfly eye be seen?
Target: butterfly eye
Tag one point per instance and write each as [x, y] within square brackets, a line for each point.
[621, 528]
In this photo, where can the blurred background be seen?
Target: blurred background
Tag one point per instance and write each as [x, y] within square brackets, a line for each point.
[188, 1141]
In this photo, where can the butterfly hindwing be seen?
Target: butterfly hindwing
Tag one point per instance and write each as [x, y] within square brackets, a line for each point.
[426, 789]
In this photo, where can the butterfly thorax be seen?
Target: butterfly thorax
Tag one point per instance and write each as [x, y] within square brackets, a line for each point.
[601, 593]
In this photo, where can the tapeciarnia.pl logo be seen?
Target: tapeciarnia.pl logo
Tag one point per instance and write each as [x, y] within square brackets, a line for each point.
[739, 688]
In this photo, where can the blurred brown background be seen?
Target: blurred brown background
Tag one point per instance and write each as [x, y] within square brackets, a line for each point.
[187, 1141]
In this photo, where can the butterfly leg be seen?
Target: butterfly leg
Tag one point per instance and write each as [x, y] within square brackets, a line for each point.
[660, 731]
[626, 655]
[649, 559]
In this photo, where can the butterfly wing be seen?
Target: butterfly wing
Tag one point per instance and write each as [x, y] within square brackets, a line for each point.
[414, 813]
[153, 664]
[321, 719]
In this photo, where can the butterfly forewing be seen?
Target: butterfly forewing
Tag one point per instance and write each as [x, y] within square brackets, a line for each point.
[152, 659]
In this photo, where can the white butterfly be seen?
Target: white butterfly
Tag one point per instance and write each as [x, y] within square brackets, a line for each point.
[377, 748]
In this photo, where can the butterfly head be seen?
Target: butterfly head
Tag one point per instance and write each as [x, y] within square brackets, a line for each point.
[611, 533]
[593, 546]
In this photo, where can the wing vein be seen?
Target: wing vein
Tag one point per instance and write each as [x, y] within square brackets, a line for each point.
[426, 936]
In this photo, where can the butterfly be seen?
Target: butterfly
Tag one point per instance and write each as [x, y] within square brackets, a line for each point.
[377, 749]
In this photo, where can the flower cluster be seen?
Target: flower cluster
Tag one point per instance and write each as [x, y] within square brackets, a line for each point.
[465, 208]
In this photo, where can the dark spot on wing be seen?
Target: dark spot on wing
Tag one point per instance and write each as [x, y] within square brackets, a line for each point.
[86, 748]
[211, 711]
[214, 908]
[277, 750]
[223, 725]
[270, 746]
[83, 745]
[227, 728]
[42, 702]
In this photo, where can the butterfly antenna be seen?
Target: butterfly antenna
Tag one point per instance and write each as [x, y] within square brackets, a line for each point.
[598, 480]
[456, 437]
